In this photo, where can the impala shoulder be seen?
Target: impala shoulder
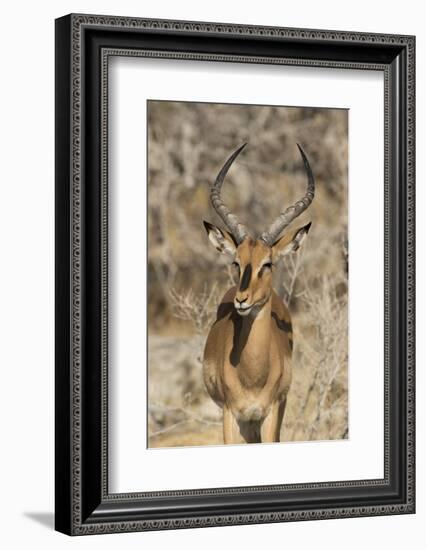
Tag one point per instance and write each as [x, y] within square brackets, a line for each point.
[280, 314]
[226, 305]
[229, 295]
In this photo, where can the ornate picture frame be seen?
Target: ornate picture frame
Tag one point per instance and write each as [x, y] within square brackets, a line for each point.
[84, 45]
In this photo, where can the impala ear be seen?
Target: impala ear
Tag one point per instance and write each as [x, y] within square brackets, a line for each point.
[290, 242]
[221, 240]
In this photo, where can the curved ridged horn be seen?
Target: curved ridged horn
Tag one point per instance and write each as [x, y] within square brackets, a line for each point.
[292, 212]
[230, 220]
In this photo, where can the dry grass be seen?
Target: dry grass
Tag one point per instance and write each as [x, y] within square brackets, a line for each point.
[187, 145]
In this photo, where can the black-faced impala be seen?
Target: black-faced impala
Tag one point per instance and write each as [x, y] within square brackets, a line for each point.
[248, 354]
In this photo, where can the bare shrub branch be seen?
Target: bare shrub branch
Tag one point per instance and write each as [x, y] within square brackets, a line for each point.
[200, 309]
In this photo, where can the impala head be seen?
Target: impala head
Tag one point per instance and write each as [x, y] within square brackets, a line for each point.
[254, 258]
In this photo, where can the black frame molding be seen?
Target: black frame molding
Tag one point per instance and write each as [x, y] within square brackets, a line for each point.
[84, 43]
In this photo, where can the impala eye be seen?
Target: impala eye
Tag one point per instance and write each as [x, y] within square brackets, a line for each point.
[236, 265]
[268, 265]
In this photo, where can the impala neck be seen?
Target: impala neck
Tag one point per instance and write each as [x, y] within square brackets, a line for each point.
[250, 353]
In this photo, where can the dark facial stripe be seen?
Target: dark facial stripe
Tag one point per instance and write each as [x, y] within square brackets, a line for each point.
[245, 279]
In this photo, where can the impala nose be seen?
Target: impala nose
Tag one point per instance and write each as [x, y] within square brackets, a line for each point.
[241, 305]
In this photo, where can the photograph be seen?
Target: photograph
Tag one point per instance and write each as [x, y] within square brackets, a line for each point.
[247, 273]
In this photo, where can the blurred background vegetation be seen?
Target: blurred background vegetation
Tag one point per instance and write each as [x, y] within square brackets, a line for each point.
[187, 145]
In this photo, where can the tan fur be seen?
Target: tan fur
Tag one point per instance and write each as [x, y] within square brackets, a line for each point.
[247, 359]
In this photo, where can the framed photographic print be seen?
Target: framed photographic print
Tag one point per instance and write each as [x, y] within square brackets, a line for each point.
[234, 274]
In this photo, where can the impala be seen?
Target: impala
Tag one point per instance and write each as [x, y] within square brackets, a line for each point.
[248, 353]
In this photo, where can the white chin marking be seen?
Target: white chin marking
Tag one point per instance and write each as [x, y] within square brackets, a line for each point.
[244, 312]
